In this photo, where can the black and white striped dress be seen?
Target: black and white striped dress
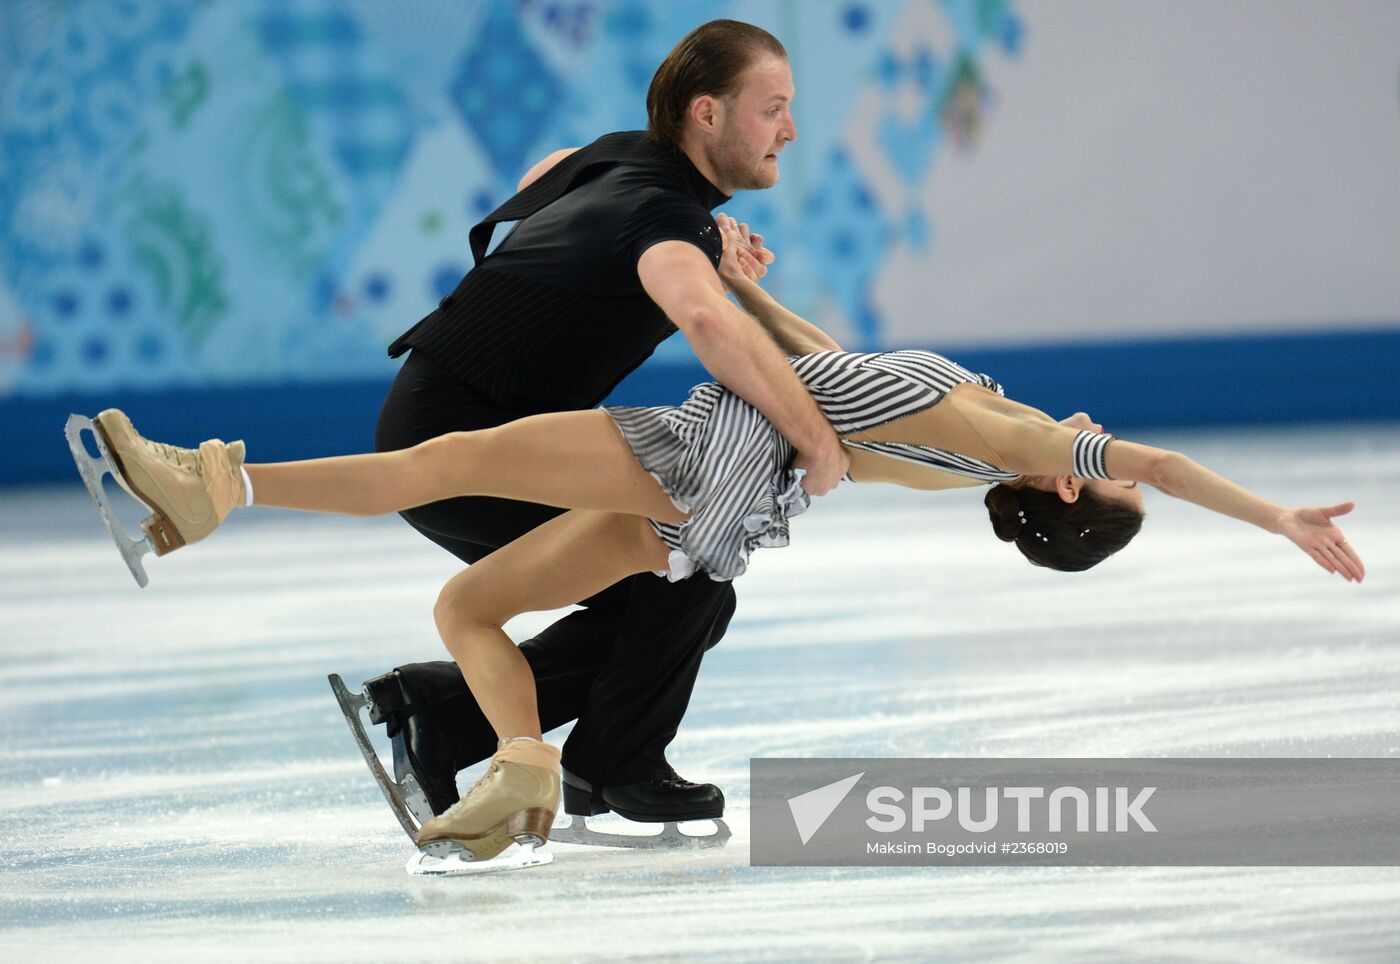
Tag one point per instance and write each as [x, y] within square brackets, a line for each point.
[719, 459]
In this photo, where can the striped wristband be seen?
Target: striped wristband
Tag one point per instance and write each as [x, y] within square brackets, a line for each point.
[1089, 449]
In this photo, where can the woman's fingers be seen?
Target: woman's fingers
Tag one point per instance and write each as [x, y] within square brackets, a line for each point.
[1341, 559]
[1321, 559]
[763, 254]
[747, 263]
[1312, 530]
[738, 236]
[1346, 559]
[1341, 564]
[1358, 566]
[752, 262]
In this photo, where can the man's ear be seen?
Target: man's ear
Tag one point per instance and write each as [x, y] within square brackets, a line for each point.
[708, 112]
[1067, 487]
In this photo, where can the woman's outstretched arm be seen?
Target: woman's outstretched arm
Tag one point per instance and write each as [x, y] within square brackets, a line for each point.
[1309, 528]
[1036, 447]
[740, 270]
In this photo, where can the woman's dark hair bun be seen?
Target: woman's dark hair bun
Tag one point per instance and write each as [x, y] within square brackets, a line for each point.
[1068, 536]
[1003, 506]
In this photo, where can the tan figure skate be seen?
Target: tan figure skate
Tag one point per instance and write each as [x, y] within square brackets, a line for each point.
[514, 802]
[189, 492]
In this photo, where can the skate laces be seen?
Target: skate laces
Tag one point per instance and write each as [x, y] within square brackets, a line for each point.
[461, 804]
[184, 458]
[211, 463]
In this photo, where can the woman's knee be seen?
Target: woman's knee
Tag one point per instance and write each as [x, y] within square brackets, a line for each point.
[454, 447]
[449, 461]
[458, 610]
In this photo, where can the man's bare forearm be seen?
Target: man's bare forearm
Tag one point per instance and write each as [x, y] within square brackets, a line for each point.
[742, 358]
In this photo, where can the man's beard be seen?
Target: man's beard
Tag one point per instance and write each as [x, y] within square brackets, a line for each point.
[735, 172]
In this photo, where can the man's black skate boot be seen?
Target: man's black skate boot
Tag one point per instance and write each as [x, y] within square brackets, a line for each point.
[417, 749]
[664, 798]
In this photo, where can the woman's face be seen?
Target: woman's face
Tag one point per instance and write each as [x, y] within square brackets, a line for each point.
[1116, 490]
[1110, 490]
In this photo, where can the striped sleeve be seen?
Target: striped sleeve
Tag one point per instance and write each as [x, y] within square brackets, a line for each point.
[1089, 449]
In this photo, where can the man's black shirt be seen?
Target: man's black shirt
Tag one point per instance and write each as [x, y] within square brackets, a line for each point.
[556, 315]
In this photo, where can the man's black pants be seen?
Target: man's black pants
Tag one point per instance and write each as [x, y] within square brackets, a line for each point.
[623, 666]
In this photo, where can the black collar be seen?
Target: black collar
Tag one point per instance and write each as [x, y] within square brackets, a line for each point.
[700, 186]
[709, 195]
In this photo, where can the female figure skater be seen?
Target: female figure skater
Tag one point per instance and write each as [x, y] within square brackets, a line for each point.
[697, 487]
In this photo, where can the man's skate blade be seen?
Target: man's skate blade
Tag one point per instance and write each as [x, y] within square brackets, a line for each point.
[671, 836]
[449, 860]
[350, 705]
[91, 471]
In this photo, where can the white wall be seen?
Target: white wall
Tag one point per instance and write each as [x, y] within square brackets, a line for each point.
[1167, 168]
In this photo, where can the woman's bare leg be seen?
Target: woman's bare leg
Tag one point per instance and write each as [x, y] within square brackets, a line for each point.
[567, 559]
[574, 460]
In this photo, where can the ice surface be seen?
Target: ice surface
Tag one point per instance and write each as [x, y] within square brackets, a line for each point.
[176, 780]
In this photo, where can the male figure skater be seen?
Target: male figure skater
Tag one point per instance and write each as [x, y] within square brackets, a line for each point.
[615, 250]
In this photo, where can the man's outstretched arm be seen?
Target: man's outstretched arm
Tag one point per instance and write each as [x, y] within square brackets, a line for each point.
[741, 356]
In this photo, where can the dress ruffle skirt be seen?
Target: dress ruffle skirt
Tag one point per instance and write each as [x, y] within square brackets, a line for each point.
[720, 460]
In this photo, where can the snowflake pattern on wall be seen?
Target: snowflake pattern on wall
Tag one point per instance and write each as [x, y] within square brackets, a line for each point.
[267, 189]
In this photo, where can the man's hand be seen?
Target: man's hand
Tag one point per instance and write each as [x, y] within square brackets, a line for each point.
[741, 355]
[824, 469]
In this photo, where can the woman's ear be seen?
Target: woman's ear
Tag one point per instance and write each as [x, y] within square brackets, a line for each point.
[1067, 487]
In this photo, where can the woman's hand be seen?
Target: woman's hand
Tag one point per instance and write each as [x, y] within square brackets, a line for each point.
[741, 262]
[754, 241]
[1312, 530]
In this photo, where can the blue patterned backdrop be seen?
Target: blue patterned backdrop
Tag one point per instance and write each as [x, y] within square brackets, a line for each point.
[198, 196]
[219, 192]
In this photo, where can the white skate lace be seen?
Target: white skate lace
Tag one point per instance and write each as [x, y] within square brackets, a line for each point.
[462, 803]
[184, 458]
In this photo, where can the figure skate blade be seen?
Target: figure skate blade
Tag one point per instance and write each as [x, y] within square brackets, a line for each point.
[91, 470]
[446, 859]
[410, 812]
[671, 837]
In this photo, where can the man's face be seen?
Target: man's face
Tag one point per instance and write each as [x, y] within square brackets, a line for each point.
[757, 124]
